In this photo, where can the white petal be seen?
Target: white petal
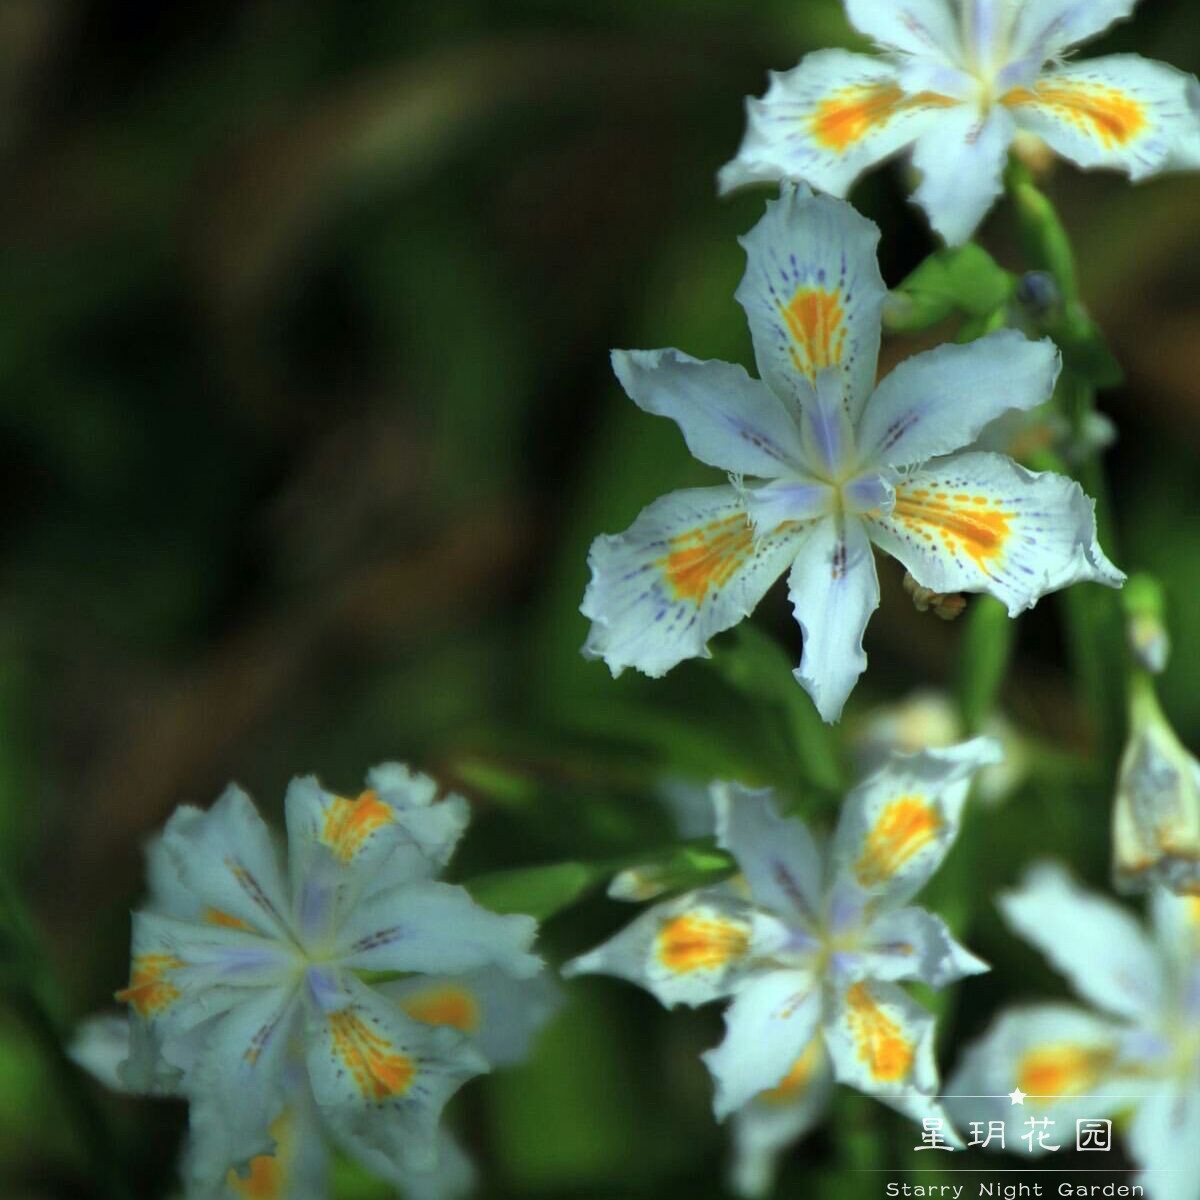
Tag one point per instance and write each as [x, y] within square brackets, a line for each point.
[688, 568]
[227, 860]
[1123, 112]
[342, 849]
[728, 419]
[978, 522]
[897, 826]
[777, 1118]
[690, 950]
[435, 928]
[912, 944]
[939, 401]
[923, 28]
[813, 295]
[772, 1019]
[961, 159]
[101, 1045]
[238, 1087]
[881, 1042]
[834, 590]
[500, 1014]
[777, 857]
[1165, 1141]
[453, 1178]
[1062, 1057]
[1047, 27]
[831, 118]
[182, 974]
[382, 1079]
[1096, 943]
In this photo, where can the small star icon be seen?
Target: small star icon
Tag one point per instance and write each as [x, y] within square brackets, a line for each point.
[1017, 1096]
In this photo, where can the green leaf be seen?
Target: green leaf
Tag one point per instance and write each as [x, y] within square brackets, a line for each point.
[961, 281]
[539, 891]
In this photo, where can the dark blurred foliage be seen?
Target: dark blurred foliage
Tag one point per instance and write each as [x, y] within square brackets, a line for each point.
[308, 423]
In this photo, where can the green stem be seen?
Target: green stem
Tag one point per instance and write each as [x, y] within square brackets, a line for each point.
[985, 655]
[30, 986]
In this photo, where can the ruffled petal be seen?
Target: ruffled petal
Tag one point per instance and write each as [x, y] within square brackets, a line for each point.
[341, 849]
[499, 1013]
[961, 160]
[1048, 27]
[881, 1042]
[922, 28]
[1063, 1058]
[834, 590]
[239, 1087]
[830, 119]
[897, 825]
[435, 928]
[1164, 1140]
[1094, 942]
[227, 861]
[978, 522]
[381, 1079]
[454, 1177]
[772, 1019]
[181, 973]
[728, 419]
[777, 1118]
[777, 857]
[813, 295]
[939, 401]
[1123, 112]
[688, 568]
[690, 950]
[912, 944]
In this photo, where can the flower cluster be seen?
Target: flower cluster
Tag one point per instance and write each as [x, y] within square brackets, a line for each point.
[809, 948]
[958, 79]
[254, 986]
[1135, 1048]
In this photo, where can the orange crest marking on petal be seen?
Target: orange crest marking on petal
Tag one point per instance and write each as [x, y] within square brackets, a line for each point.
[149, 991]
[266, 1180]
[851, 113]
[214, 916]
[798, 1077]
[1112, 116]
[379, 1070]
[694, 943]
[453, 1006]
[974, 524]
[707, 557]
[882, 1045]
[1060, 1070]
[349, 823]
[817, 322]
[904, 828]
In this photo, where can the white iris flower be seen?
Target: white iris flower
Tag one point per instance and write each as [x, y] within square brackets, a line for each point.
[958, 80]
[250, 983]
[824, 464]
[1136, 1049]
[809, 948]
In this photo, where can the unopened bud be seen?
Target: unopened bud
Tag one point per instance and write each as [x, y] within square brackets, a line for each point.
[1145, 628]
[1156, 822]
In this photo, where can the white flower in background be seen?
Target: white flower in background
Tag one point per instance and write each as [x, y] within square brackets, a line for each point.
[810, 947]
[499, 1014]
[958, 80]
[1136, 1049]
[929, 720]
[244, 976]
[1156, 819]
[824, 464]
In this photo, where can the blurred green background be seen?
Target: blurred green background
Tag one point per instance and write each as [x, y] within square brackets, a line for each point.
[308, 423]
